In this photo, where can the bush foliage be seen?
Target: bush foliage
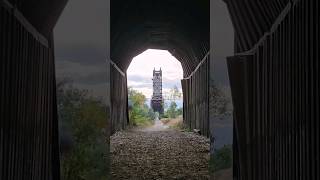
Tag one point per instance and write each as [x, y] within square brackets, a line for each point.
[222, 159]
[172, 111]
[82, 122]
[139, 114]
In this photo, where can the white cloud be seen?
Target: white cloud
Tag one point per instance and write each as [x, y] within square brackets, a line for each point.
[146, 91]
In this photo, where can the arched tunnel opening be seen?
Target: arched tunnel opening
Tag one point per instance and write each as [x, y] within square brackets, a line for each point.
[157, 75]
[148, 94]
[182, 30]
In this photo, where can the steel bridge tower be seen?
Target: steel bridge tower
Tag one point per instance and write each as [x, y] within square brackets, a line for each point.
[157, 99]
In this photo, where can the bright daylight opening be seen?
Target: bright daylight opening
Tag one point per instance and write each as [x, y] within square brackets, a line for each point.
[141, 83]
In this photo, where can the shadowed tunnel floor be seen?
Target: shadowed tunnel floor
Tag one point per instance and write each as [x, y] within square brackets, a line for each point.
[157, 153]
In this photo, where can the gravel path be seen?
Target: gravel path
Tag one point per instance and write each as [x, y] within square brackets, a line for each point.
[164, 154]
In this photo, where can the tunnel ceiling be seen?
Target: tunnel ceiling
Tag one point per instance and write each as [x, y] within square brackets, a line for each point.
[42, 14]
[180, 26]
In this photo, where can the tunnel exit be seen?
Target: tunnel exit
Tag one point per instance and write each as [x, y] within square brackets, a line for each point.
[156, 75]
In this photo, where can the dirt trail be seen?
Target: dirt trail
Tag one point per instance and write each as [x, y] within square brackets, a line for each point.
[159, 153]
[158, 126]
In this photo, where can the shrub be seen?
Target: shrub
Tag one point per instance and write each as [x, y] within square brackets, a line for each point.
[139, 114]
[222, 159]
[82, 123]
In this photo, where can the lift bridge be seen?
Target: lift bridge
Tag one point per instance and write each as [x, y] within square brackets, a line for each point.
[157, 99]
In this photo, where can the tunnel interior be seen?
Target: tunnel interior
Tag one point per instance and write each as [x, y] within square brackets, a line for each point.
[181, 27]
[274, 79]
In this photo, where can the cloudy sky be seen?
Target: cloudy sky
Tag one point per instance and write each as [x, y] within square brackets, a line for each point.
[80, 45]
[141, 69]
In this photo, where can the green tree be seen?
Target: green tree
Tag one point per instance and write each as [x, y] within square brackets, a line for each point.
[179, 111]
[137, 98]
[140, 114]
[172, 110]
[175, 93]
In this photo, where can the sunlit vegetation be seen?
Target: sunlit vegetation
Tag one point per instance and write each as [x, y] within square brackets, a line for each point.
[139, 112]
[172, 110]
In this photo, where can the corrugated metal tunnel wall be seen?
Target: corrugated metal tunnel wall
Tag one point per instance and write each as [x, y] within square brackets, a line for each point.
[119, 99]
[196, 98]
[28, 117]
[275, 88]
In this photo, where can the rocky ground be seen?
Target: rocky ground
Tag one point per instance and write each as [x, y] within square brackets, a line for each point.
[159, 153]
